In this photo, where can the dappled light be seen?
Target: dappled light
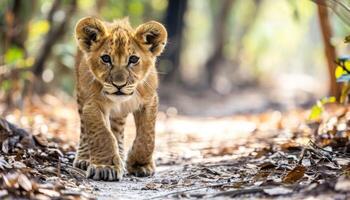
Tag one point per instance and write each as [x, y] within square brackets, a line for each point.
[168, 99]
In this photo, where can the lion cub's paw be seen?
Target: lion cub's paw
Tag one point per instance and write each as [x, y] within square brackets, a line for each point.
[141, 170]
[81, 164]
[105, 172]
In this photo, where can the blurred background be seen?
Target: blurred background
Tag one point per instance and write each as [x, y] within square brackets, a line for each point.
[223, 57]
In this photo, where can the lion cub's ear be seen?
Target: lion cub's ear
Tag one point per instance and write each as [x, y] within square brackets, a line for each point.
[88, 32]
[153, 36]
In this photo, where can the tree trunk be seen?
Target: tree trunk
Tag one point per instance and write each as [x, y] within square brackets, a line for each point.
[174, 22]
[55, 33]
[330, 52]
[220, 37]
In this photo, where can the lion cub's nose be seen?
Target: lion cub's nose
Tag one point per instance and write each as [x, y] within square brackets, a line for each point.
[119, 80]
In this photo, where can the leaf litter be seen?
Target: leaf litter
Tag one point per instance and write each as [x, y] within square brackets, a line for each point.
[284, 155]
[31, 167]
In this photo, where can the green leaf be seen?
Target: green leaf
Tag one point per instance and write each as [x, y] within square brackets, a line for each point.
[328, 100]
[339, 71]
[5, 85]
[13, 55]
[317, 109]
[316, 112]
[38, 28]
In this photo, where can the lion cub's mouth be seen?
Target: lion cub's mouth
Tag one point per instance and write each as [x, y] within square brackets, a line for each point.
[119, 93]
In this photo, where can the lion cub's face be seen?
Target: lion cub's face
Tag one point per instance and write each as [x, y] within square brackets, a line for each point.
[119, 56]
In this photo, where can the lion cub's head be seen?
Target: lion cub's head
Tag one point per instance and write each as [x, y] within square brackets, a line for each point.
[119, 56]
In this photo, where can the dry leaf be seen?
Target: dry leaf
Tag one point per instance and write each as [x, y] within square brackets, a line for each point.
[5, 146]
[42, 197]
[4, 164]
[24, 182]
[18, 165]
[296, 174]
[152, 186]
[277, 191]
[342, 161]
[267, 165]
[41, 140]
[48, 192]
[343, 184]
[3, 193]
[10, 180]
[290, 146]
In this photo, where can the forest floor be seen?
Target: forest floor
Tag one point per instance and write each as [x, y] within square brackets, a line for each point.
[261, 156]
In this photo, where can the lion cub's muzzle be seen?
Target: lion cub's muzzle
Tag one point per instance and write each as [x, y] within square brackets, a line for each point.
[118, 89]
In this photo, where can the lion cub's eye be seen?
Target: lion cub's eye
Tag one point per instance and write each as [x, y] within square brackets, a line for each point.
[106, 58]
[133, 59]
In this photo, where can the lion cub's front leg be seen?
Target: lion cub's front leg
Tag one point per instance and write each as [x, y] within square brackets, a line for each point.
[105, 162]
[83, 153]
[140, 159]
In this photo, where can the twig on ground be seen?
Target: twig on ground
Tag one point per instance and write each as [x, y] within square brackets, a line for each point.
[314, 145]
[302, 155]
[192, 189]
[237, 192]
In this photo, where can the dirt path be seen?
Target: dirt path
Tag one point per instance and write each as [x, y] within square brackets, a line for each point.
[138, 188]
[263, 156]
[179, 162]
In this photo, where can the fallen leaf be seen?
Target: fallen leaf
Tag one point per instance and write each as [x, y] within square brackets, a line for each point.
[152, 186]
[24, 182]
[5, 146]
[343, 184]
[41, 140]
[42, 197]
[18, 165]
[3, 193]
[267, 165]
[296, 174]
[4, 164]
[10, 180]
[48, 192]
[290, 146]
[277, 191]
[306, 162]
[342, 161]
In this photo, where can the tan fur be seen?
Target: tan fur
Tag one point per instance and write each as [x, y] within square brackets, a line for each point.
[103, 113]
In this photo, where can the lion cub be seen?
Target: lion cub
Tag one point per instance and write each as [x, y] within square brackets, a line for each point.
[116, 75]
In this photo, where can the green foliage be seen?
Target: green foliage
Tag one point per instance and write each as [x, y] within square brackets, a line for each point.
[13, 55]
[159, 5]
[15, 58]
[317, 109]
[38, 28]
[5, 85]
[342, 71]
[86, 4]
[347, 39]
[342, 74]
[135, 8]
